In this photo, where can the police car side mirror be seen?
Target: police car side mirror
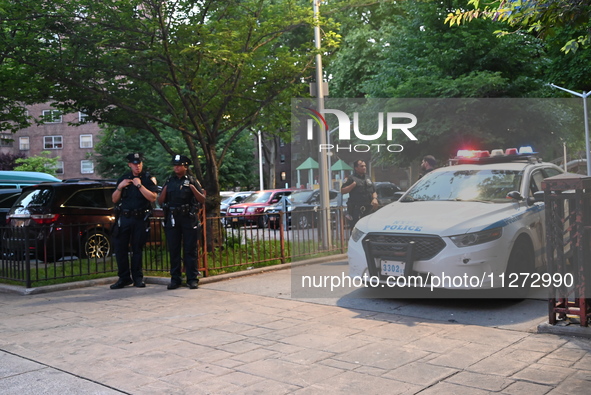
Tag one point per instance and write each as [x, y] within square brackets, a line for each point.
[538, 197]
[515, 195]
[397, 195]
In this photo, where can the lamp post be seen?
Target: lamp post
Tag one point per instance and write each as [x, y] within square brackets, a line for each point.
[584, 97]
[323, 176]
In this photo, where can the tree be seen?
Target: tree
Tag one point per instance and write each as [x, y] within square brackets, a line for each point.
[545, 17]
[41, 163]
[204, 69]
[416, 55]
[7, 160]
[116, 142]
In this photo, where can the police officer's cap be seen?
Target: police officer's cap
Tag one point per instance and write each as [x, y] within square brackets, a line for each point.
[135, 158]
[181, 160]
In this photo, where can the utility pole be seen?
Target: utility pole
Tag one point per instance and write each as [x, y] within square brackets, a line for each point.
[323, 176]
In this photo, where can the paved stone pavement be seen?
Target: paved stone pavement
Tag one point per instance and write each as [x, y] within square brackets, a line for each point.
[220, 339]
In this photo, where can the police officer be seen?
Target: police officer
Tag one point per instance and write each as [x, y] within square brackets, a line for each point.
[427, 165]
[180, 198]
[133, 198]
[362, 193]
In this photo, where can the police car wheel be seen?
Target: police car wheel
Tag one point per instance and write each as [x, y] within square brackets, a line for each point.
[521, 260]
[96, 244]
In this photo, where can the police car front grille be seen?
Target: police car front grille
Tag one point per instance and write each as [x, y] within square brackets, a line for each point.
[425, 247]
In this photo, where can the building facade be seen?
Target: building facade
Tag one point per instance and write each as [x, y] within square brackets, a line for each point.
[72, 145]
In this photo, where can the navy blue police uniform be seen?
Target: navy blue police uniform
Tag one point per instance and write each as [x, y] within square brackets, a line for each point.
[133, 225]
[360, 197]
[182, 225]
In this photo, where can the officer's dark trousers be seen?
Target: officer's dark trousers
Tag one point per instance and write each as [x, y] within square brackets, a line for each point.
[132, 235]
[184, 234]
[356, 212]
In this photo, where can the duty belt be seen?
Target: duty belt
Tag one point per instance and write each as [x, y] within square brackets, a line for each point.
[138, 213]
[182, 210]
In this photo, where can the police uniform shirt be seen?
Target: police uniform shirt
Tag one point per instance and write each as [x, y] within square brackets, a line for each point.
[131, 196]
[178, 191]
[363, 191]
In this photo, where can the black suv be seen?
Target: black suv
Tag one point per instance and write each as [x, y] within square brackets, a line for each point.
[54, 220]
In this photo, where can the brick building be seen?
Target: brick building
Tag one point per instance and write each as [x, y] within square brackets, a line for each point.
[73, 145]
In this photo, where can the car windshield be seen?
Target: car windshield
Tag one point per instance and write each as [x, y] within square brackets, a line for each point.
[300, 196]
[227, 200]
[259, 197]
[466, 185]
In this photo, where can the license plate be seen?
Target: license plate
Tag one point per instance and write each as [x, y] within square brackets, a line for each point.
[392, 268]
[272, 219]
[234, 219]
[18, 222]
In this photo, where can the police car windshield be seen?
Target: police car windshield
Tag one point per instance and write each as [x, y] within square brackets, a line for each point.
[466, 185]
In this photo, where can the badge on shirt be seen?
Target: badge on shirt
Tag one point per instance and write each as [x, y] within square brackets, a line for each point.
[186, 183]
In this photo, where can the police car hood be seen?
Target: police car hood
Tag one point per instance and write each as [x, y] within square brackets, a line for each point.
[444, 218]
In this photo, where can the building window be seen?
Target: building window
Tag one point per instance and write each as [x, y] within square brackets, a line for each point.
[82, 117]
[86, 167]
[86, 141]
[59, 167]
[53, 142]
[281, 142]
[52, 116]
[282, 158]
[23, 144]
[6, 140]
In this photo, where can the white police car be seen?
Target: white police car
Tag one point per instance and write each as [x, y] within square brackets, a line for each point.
[462, 226]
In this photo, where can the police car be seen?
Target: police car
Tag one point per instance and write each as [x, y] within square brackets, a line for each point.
[469, 223]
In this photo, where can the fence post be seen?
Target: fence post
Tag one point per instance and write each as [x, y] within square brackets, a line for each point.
[281, 235]
[27, 257]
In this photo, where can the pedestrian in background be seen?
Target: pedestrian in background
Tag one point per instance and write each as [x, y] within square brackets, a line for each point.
[427, 165]
[180, 198]
[133, 198]
[362, 193]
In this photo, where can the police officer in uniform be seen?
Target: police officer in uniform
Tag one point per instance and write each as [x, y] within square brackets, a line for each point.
[133, 198]
[180, 198]
[362, 193]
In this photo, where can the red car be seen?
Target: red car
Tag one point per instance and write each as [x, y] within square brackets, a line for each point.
[251, 210]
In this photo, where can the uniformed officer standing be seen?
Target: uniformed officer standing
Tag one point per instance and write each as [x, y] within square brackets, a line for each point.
[133, 197]
[362, 193]
[180, 198]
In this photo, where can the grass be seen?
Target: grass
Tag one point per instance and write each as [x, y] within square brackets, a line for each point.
[236, 254]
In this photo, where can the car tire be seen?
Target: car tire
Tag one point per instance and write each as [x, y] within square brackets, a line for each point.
[263, 221]
[304, 222]
[96, 244]
[521, 260]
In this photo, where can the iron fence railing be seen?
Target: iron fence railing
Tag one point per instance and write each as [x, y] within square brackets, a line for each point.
[48, 253]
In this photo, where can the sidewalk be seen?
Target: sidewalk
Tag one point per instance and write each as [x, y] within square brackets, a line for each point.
[225, 339]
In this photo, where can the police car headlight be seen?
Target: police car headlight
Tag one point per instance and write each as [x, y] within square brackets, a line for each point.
[356, 234]
[470, 239]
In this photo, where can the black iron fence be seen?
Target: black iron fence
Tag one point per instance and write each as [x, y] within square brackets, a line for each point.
[46, 253]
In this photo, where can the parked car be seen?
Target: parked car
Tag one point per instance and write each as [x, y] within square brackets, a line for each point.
[252, 209]
[302, 205]
[478, 219]
[7, 199]
[62, 219]
[235, 198]
[386, 192]
[14, 179]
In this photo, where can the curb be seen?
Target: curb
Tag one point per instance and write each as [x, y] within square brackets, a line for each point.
[565, 329]
[16, 289]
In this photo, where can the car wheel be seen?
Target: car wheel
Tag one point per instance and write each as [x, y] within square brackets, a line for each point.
[263, 221]
[96, 244]
[304, 221]
[521, 260]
